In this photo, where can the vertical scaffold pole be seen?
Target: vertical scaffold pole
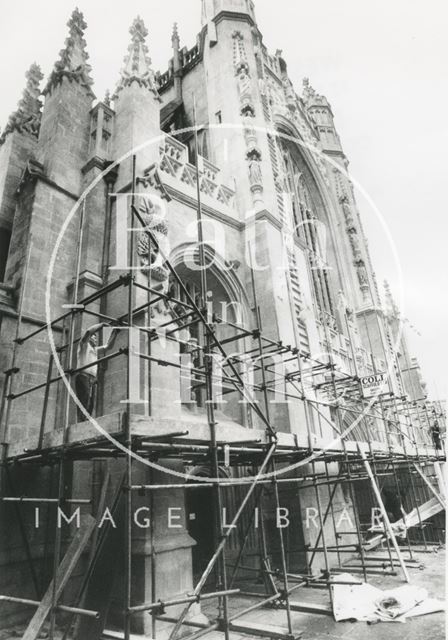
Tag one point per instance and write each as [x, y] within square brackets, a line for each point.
[45, 403]
[5, 407]
[387, 524]
[350, 482]
[411, 480]
[6, 402]
[61, 469]
[405, 404]
[306, 406]
[153, 561]
[321, 300]
[208, 368]
[373, 467]
[128, 429]
[285, 594]
[383, 413]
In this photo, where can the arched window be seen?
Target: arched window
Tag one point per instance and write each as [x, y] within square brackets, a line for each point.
[226, 312]
[312, 230]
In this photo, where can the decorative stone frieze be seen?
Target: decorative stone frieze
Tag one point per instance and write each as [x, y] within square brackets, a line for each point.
[355, 243]
[174, 162]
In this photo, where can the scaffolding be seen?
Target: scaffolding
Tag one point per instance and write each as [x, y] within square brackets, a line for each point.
[402, 460]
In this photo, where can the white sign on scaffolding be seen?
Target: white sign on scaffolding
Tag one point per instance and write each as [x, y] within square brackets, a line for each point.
[374, 385]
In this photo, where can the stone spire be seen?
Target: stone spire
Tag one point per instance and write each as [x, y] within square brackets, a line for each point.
[207, 9]
[177, 64]
[137, 63]
[175, 37]
[26, 118]
[72, 63]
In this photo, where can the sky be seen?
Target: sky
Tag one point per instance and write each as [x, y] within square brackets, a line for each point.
[382, 66]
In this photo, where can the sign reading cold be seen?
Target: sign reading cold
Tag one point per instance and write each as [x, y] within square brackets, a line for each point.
[374, 385]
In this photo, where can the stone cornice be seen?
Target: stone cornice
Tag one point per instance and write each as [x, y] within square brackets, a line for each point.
[35, 171]
[103, 105]
[266, 215]
[231, 15]
[369, 309]
[12, 313]
[94, 162]
[335, 153]
[87, 279]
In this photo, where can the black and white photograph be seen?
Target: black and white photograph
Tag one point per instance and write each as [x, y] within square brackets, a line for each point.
[222, 320]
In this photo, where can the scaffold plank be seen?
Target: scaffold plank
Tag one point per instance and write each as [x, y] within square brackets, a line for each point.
[424, 512]
[263, 630]
[65, 570]
[387, 524]
[429, 485]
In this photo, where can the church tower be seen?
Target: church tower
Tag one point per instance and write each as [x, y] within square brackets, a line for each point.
[319, 109]
[50, 186]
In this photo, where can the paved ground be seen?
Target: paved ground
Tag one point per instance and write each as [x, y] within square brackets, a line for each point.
[323, 627]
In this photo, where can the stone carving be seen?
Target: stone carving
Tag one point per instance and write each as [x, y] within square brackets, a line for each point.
[290, 95]
[245, 86]
[254, 154]
[247, 110]
[362, 273]
[72, 63]
[308, 91]
[356, 247]
[285, 103]
[355, 244]
[363, 280]
[145, 249]
[311, 98]
[249, 131]
[242, 70]
[26, 119]
[255, 175]
[276, 96]
[343, 307]
[348, 213]
[239, 51]
[244, 83]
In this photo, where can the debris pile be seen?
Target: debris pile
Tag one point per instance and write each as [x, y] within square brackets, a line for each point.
[369, 604]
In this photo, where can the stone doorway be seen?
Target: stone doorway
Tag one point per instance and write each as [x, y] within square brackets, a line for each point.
[201, 523]
[201, 527]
